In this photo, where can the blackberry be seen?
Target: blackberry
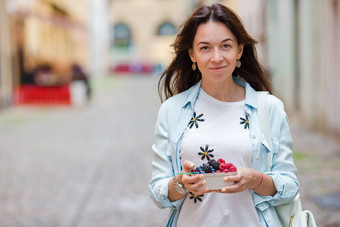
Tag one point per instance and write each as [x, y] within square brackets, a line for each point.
[212, 169]
[215, 165]
[206, 168]
[211, 161]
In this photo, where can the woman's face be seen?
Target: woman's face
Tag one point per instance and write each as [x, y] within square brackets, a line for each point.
[215, 50]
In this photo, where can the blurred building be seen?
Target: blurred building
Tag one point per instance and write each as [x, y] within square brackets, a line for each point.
[143, 31]
[99, 32]
[304, 59]
[6, 80]
[253, 16]
[41, 35]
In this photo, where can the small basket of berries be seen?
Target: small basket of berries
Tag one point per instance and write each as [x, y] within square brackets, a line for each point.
[214, 172]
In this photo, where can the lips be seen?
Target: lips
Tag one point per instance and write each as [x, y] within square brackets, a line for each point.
[218, 68]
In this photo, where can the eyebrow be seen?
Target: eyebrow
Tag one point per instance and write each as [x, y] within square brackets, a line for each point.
[226, 40]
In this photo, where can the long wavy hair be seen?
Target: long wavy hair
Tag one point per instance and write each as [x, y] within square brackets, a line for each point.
[179, 76]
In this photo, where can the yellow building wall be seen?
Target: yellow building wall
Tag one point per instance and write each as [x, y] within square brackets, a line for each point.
[53, 38]
[144, 17]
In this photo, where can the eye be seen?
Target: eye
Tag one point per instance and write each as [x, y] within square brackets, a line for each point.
[204, 48]
[226, 46]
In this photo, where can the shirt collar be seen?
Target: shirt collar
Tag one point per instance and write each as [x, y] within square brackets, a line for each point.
[251, 96]
[192, 95]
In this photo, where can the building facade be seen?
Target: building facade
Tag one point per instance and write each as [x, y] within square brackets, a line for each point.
[6, 80]
[50, 33]
[303, 59]
[40, 35]
[145, 30]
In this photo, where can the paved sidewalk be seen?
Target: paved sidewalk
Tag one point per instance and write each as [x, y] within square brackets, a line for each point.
[317, 158]
[89, 166]
[81, 167]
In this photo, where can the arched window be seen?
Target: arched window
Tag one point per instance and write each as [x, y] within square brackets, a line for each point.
[166, 29]
[121, 36]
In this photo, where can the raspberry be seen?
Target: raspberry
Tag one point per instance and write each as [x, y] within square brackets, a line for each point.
[225, 171]
[233, 169]
[228, 165]
[221, 160]
[223, 166]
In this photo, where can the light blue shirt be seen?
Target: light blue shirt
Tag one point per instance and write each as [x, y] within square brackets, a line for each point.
[173, 118]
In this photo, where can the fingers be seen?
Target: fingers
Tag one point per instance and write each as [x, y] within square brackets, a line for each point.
[232, 189]
[238, 185]
[200, 192]
[188, 166]
[232, 178]
[193, 182]
[215, 190]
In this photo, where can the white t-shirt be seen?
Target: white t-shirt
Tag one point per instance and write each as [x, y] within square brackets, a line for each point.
[222, 128]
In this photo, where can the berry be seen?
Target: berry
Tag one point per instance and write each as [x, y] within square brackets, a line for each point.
[233, 169]
[206, 168]
[223, 166]
[215, 165]
[211, 161]
[221, 160]
[199, 169]
[228, 165]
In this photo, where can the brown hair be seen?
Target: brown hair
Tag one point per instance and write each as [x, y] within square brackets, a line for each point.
[179, 76]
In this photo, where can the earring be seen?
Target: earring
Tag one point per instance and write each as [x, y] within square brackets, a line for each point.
[193, 66]
[238, 63]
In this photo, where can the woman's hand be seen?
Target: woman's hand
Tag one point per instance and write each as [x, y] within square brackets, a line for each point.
[260, 183]
[245, 178]
[194, 183]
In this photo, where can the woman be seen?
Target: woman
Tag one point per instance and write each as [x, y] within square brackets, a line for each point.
[210, 112]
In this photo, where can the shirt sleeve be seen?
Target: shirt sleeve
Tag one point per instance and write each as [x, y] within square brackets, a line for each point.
[283, 170]
[162, 170]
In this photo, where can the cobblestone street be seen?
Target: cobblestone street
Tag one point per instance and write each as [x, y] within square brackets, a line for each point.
[89, 166]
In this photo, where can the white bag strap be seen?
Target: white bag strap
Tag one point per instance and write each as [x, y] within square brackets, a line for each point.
[290, 214]
[263, 114]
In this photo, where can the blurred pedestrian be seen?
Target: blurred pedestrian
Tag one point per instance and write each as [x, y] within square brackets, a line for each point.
[78, 74]
[210, 112]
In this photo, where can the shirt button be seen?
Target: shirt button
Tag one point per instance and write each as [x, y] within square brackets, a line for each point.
[257, 157]
[253, 137]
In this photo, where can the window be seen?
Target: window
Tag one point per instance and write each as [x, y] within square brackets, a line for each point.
[166, 29]
[121, 36]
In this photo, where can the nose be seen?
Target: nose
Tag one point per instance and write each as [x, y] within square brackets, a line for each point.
[216, 57]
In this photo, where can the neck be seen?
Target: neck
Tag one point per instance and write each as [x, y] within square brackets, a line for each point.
[226, 91]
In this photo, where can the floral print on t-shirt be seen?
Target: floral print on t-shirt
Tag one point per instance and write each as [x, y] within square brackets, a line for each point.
[245, 121]
[194, 120]
[206, 152]
[196, 197]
